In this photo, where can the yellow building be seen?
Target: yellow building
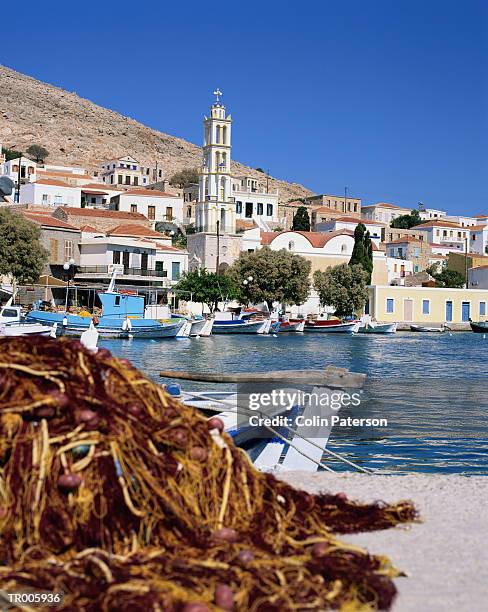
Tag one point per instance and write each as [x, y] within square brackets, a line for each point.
[427, 305]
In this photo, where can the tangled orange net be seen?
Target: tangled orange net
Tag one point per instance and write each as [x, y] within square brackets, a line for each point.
[114, 493]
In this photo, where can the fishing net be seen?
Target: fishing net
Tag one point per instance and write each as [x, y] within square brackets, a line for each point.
[124, 499]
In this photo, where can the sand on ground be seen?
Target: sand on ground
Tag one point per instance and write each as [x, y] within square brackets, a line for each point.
[445, 556]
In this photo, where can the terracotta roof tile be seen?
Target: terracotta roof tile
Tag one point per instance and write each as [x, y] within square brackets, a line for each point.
[133, 230]
[48, 221]
[317, 239]
[438, 223]
[102, 212]
[53, 183]
[63, 174]
[405, 239]
[154, 193]
[88, 228]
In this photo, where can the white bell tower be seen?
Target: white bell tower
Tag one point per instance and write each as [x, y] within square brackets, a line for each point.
[215, 211]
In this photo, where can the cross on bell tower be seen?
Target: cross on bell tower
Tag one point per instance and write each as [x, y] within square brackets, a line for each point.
[215, 211]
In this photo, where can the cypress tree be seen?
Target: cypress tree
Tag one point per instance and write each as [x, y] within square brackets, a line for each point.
[362, 252]
[301, 220]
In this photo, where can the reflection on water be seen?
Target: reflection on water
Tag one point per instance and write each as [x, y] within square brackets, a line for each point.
[431, 388]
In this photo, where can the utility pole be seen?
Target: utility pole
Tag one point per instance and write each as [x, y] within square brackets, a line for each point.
[466, 262]
[267, 182]
[345, 200]
[17, 198]
[217, 259]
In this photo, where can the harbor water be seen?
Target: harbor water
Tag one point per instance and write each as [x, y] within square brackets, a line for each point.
[431, 388]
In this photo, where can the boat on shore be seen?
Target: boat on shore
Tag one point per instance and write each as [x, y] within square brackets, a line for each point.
[480, 327]
[368, 326]
[331, 326]
[429, 330]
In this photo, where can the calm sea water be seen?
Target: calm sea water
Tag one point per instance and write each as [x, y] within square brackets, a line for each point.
[432, 388]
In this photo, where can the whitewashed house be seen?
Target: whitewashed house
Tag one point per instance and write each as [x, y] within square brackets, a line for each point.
[350, 223]
[383, 212]
[49, 192]
[444, 233]
[153, 204]
[479, 239]
[254, 203]
[141, 256]
[97, 195]
[428, 214]
[11, 169]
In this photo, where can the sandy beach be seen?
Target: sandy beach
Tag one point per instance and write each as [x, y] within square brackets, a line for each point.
[445, 556]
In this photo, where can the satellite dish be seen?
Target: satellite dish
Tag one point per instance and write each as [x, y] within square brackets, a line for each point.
[6, 185]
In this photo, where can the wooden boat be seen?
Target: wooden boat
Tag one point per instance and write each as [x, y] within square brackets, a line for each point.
[368, 326]
[481, 327]
[331, 326]
[429, 330]
[239, 326]
[291, 325]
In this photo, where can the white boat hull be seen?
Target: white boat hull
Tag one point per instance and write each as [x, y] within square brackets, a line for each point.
[253, 327]
[377, 328]
[340, 328]
[24, 329]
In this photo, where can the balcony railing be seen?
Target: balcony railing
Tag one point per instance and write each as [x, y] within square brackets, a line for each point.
[127, 271]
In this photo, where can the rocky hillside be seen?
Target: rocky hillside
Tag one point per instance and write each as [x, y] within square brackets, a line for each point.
[77, 132]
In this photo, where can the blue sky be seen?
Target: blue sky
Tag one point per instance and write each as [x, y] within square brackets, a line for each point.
[387, 97]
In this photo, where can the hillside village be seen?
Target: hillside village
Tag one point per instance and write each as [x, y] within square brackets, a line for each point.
[129, 215]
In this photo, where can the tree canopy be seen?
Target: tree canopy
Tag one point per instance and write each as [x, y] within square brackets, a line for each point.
[445, 277]
[184, 178]
[407, 221]
[207, 288]
[301, 220]
[362, 252]
[21, 252]
[342, 287]
[277, 276]
[38, 152]
[11, 154]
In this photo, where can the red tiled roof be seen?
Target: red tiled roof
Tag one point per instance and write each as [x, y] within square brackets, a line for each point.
[64, 174]
[355, 220]
[481, 216]
[242, 224]
[438, 223]
[478, 228]
[98, 186]
[154, 193]
[48, 221]
[88, 228]
[53, 183]
[317, 239]
[138, 231]
[102, 212]
[386, 205]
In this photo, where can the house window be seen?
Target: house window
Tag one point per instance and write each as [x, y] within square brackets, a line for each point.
[119, 179]
[116, 257]
[390, 305]
[93, 200]
[159, 266]
[482, 309]
[133, 208]
[58, 199]
[53, 250]
[239, 208]
[175, 270]
[291, 245]
[136, 180]
[151, 212]
[188, 211]
[249, 210]
[425, 307]
[260, 208]
[169, 213]
[127, 180]
[45, 198]
[269, 210]
[68, 249]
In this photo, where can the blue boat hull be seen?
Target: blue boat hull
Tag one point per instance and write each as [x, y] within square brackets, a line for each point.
[108, 327]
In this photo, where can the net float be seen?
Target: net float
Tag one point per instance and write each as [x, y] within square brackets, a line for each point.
[225, 534]
[224, 597]
[69, 482]
[198, 453]
[215, 423]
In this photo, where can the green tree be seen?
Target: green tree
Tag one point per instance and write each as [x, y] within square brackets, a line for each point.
[207, 288]
[184, 178]
[277, 276]
[38, 152]
[362, 252]
[301, 220]
[342, 287]
[445, 277]
[407, 221]
[260, 170]
[11, 154]
[21, 252]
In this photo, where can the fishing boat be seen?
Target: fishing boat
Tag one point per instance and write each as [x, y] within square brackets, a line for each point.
[331, 326]
[429, 330]
[290, 325]
[198, 326]
[481, 327]
[249, 322]
[368, 326]
[12, 324]
[122, 317]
